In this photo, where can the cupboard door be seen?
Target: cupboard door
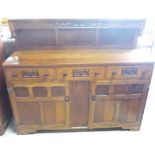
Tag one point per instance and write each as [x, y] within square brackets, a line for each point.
[113, 104]
[56, 111]
[79, 92]
[102, 107]
[41, 104]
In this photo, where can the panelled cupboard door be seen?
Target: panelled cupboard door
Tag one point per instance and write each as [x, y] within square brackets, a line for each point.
[111, 105]
[41, 104]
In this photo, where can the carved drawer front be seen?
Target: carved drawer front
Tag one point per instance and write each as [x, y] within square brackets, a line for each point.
[29, 74]
[80, 73]
[129, 72]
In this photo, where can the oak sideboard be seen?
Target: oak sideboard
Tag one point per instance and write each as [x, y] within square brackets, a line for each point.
[78, 89]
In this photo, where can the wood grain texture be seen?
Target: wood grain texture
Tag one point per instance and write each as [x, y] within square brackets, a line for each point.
[102, 97]
[77, 83]
[78, 57]
[79, 103]
[65, 33]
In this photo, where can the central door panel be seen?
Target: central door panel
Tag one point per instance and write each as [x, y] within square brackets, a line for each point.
[80, 91]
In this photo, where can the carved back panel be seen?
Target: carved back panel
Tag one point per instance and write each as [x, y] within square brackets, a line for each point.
[73, 33]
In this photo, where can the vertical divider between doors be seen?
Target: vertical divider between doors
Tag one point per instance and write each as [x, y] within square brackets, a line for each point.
[68, 106]
[91, 103]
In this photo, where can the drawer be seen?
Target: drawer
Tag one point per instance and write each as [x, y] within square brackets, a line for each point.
[80, 73]
[129, 72]
[29, 74]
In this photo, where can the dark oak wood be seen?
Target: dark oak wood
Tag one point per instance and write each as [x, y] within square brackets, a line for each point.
[71, 73]
[72, 89]
[79, 93]
[75, 33]
[5, 111]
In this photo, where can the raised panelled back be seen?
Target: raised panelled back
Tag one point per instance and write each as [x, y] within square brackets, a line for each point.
[77, 37]
[59, 33]
[35, 38]
[118, 37]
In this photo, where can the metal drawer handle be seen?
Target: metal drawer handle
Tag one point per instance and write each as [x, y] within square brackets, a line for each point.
[14, 74]
[93, 98]
[96, 74]
[46, 75]
[64, 75]
[143, 74]
[114, 73]
[67, 98]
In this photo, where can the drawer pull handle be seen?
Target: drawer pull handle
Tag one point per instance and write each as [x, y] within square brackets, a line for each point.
[67, 98]
[46, 75]
[64, 75]
[114, 74]
[14, 75]
[93, 98]
[143, 74]
[96, 74]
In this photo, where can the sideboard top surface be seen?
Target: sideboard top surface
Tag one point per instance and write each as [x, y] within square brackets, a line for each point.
[78, 57]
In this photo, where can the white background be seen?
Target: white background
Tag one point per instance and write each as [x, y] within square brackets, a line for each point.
[101, 142]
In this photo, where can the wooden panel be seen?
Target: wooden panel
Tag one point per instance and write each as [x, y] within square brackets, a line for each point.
[79, 103]
[119, 89]
[135, 88]
[60, 112]
[29, 113]
[118, 37]
[55, 113]
[75, 32]
[85, 57]
[70, 37]
[129, 110]
[102, 90]
[58, 91]
[104, 111]
[39, 91]
[35, 38]
[21, 92]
